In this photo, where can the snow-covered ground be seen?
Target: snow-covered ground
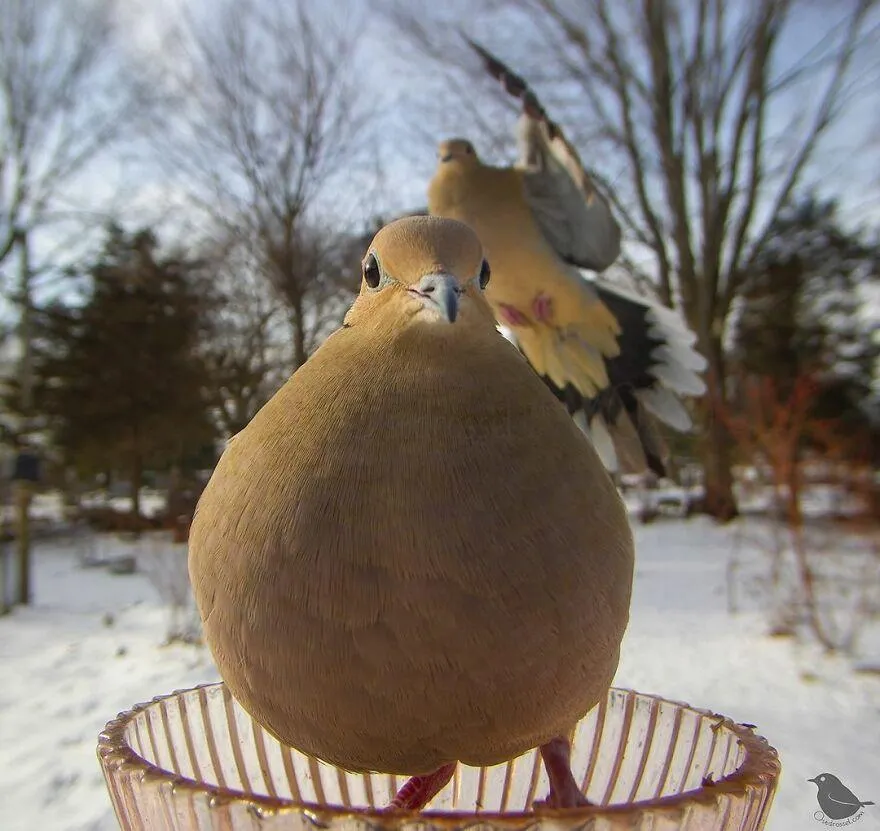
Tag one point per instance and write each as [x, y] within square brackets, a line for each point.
[50, 506]
[91, 646]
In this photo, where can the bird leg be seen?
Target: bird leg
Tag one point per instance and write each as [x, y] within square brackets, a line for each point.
[564, 792]
[420, 790]
[512, 316]
[542, 308]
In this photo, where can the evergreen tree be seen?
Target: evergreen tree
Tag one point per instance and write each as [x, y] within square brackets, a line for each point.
[120, 379]
[801, 313]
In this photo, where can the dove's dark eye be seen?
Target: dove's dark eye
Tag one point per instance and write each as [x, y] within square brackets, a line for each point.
[485, 272]
[372, 273]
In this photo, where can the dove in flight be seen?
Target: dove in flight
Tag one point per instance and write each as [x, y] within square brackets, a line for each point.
[616, 360]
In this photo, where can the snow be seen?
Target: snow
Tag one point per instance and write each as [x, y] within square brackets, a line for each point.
[683, 644]
[92, 645]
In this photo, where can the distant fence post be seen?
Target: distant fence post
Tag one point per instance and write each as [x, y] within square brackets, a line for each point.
[25, 476]
[5, 601]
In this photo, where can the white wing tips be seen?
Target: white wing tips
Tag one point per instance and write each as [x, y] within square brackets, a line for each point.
[665, 406]
[600, 437]
[679, 379]
[604, 443]
[678, 365]
[673, 352]
[665, 324]
[674, 361]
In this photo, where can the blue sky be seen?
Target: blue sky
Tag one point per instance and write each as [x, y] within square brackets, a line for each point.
[395, 81]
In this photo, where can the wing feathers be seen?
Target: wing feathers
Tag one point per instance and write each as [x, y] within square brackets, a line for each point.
[664, 405]
[620, 394]
[616, 360]
[603, 442]
[574, 218]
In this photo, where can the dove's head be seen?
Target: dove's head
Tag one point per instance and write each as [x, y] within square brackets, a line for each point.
[458, 151]
[423, 270]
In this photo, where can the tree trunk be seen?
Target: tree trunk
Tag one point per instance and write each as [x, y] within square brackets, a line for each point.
[26, 380]
[5, 498]
[800, 545]
[298, 325]
[717, 456]
[23, 496]
[137, 478]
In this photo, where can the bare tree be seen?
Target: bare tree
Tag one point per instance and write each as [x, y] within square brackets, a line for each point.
[60, 103]
[704, 125]
[777, 430]
[315, 270]
[265, 125]
[246, 344]
[164, 561]
[245, 350]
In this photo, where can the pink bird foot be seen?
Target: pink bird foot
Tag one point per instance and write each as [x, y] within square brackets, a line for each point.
[564, 792]
[420, 790]
[512, 316]
[542, 308]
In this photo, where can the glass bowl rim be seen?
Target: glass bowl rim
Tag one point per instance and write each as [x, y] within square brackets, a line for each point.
[760, 767]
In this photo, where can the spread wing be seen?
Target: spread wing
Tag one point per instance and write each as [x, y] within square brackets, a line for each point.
[571, 214]
[655, 365]
[640, 381]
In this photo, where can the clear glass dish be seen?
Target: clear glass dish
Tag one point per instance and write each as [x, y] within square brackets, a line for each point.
[196, 760]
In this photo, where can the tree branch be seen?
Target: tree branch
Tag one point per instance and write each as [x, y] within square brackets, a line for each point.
[737, 269]
[669, 136]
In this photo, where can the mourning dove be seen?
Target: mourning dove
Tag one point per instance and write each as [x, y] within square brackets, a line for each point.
[611, 356]
[411, 556]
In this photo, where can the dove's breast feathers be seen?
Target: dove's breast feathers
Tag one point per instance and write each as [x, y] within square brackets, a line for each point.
[418, 552]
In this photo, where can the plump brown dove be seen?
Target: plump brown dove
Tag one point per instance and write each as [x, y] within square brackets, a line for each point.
[616, 360]
[411, 556]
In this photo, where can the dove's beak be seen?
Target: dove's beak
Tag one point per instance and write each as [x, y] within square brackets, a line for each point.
[439, 293]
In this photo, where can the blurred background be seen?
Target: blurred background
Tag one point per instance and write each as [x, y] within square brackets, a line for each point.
[186, 191]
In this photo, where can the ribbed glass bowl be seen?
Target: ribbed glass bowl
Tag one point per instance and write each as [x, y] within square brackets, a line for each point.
[196, 760]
